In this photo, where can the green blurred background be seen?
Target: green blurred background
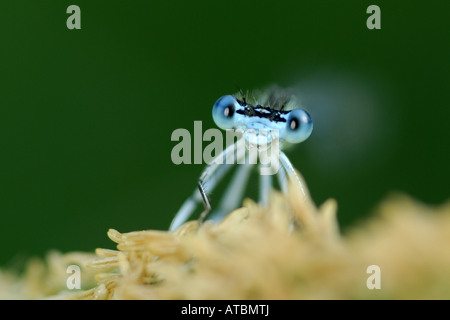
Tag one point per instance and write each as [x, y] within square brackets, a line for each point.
[86, 115]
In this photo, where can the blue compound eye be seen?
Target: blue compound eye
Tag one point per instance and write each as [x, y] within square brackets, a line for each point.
[223, 112]
[298, 127]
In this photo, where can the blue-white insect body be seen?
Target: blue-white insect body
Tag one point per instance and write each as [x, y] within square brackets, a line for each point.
[264, 119]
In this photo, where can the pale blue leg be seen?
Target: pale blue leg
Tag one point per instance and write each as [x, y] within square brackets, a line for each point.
[265, 185]
[209, 178]
[293, 174]
[282, 179]
[234, 192]
[191, 203]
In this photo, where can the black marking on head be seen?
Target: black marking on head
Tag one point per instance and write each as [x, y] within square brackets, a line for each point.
[261, 112]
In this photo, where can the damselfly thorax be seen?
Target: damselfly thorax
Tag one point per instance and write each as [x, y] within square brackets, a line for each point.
[269, 121]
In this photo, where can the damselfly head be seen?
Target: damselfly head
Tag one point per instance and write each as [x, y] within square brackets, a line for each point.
[272, 115]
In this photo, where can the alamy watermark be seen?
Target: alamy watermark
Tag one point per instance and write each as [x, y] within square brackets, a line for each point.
[374, 20]
[374, 280]
[74, 20]
[250, 145]
[74, 280]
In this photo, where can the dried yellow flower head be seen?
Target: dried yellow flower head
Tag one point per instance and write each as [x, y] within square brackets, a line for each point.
[289, 250]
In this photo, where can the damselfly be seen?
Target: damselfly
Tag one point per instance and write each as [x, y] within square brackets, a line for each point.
[264, 119]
